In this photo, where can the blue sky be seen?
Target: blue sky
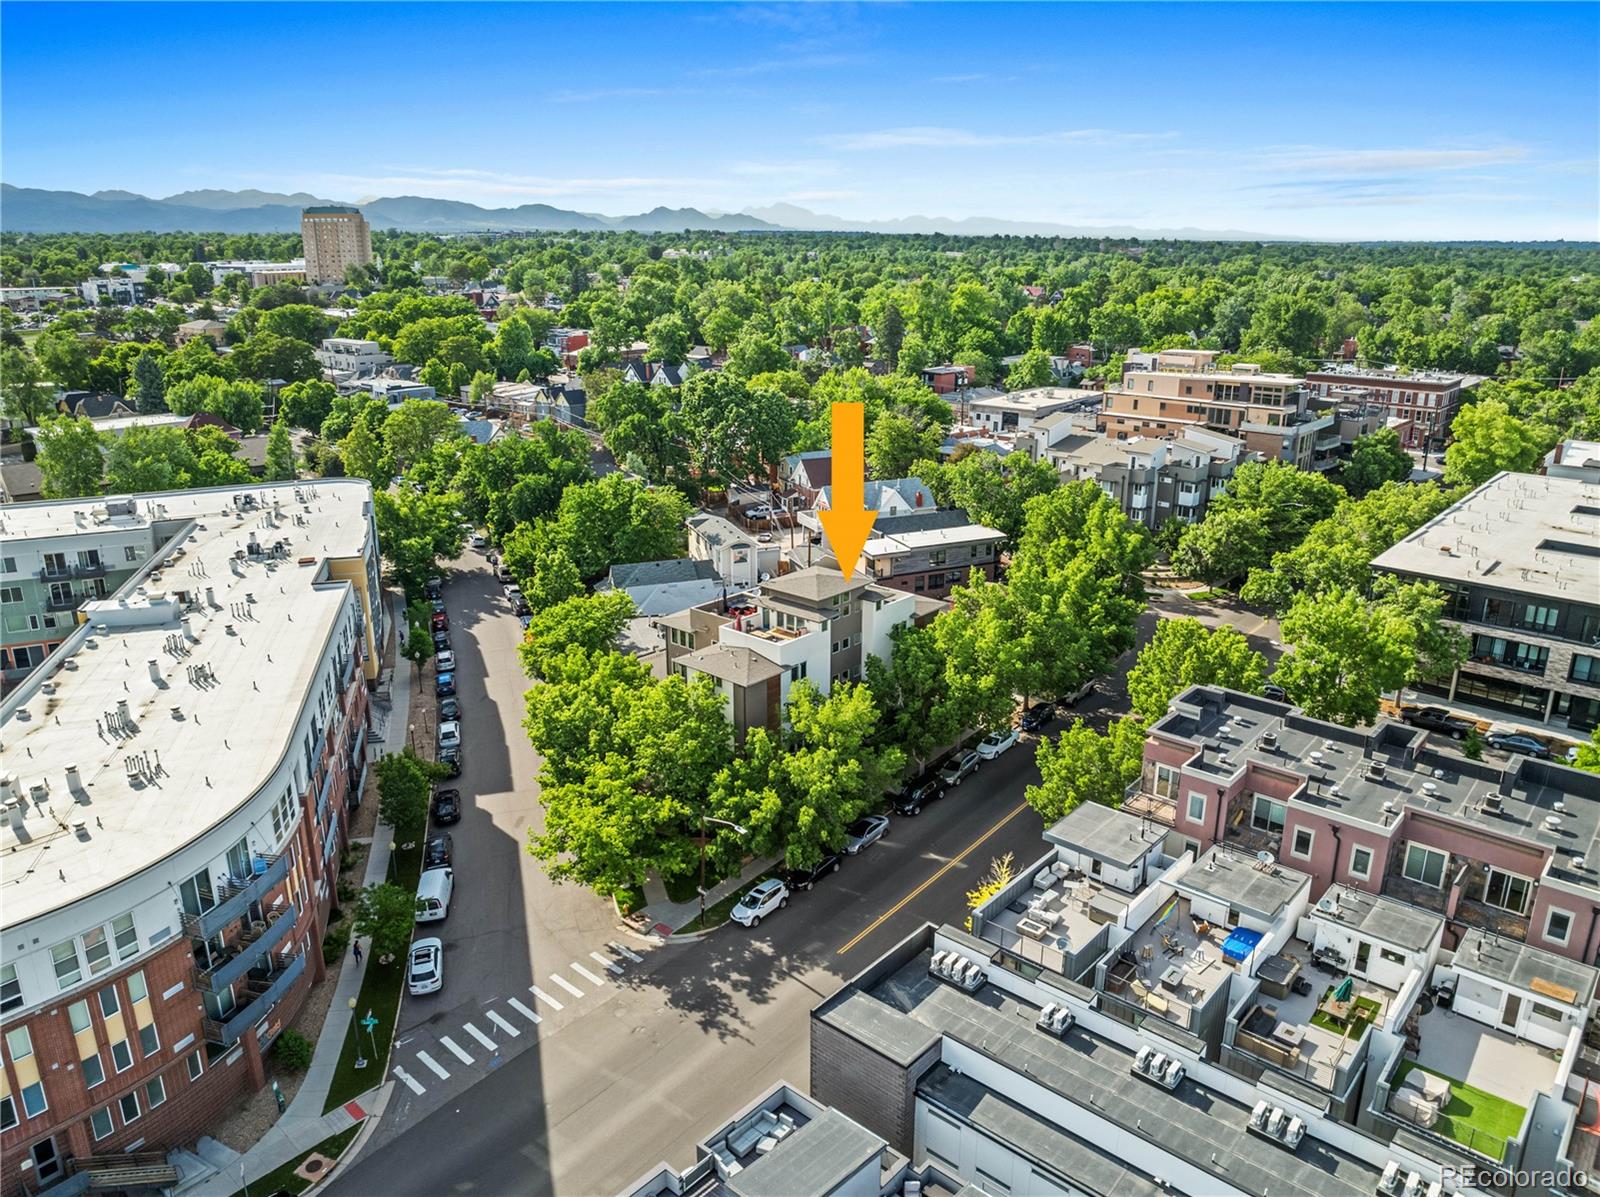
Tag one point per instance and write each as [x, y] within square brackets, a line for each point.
[1360, 120]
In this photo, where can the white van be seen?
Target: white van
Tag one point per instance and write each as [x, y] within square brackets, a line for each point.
[433, 894]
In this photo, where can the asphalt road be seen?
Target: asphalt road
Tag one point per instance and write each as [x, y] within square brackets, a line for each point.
[640, 1066]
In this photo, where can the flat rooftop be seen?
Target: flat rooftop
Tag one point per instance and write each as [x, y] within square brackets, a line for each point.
[1107, 833]
[908, 1010]
[261, 636]
[1378, 917]
[816, 1158]
[1040, 399]
[1524, 966]
[1517, 800]
[1526, 533]
[931, 538]
[1241, 880]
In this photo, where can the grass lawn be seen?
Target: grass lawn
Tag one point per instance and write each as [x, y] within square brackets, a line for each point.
[283, 1180]
[629, 899]
[685, 887]
[1366, 1012]
[718, 914]
[380, 993]
[1482, 1121]
[1203, 596]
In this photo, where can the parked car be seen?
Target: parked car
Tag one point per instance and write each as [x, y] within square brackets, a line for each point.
[798, 879]
[1037, 717]
[864, 832]
[761, 511]
[441, 642]
[435, 587]
[444, 683]
[512, 592]
[426, 974]
[450, 708]
[996, 743]
[446, 807]
[434, 890]
[520, 608]
[450, 758]
[438, 606]
[450, 734]
[1073, 697]
[1518, 742]
[1437, 719]
[918, 794]
[437, 852]
[1275, 692]
[477, 541]
[439, 621]
[763, 898]
[956, 768]
[445, 662]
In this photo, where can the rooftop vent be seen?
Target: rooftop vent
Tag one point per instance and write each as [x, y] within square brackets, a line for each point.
[1552, 822]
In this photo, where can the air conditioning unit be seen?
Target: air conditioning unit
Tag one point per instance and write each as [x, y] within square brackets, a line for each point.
[1158, 1068]
[1275, 1123]
[1055, 1019]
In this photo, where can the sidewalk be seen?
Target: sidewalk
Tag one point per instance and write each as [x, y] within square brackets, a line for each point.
[304, 1125]
[660, 910]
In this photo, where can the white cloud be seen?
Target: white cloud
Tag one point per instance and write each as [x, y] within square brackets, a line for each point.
[1390, 161]
[938, 137]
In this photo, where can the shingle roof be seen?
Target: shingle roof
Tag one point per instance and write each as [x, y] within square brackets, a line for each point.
[816, 584]
[741, 666]
[660, 573]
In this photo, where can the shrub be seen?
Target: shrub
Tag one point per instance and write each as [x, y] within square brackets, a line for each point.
[1473, 746]
[293, 1051]
[334, 941]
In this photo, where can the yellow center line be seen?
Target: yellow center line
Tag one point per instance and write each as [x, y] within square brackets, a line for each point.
[950, 864]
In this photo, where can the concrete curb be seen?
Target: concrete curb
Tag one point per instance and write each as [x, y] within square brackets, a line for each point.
[695, 936]
[367, 1126]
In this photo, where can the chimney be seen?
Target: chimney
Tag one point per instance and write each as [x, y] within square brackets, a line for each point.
[155, 670]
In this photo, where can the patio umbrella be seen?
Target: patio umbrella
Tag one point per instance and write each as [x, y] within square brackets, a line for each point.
[1346, 988]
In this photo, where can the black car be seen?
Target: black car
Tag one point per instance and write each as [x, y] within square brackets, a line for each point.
[917, 795]
[1274, 692]
[438, 606]
[797, 879]
[437, 853]
[446, 807]
[450, 758]
[435, 587]
[1037, 718]
[520, 607]
[449, 708]
[1437, 719]
[441, 641]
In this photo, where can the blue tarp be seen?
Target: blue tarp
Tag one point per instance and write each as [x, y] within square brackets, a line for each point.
[1240, 943]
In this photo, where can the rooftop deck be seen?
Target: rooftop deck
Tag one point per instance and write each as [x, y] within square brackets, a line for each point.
[1172, 964]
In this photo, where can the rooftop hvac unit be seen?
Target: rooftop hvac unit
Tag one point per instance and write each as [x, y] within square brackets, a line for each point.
[1157, 1068]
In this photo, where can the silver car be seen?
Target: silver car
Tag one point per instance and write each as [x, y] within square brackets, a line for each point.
[865, 832]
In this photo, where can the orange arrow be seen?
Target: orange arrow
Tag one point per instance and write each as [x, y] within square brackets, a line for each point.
[847, 522]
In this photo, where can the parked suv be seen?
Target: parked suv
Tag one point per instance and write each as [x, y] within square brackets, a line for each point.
[764, 897]
[958, 767]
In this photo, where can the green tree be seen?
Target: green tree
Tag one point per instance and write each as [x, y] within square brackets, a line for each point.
[1376, 458]
[891, 333]
[236, 403]
[297, 321]
[992, 490]
[405, 786]
[63, 354]
[196, 358]
[733, 431]
[413, 429]
[1082, 765]
[280, 453]
[386, 914]
[416, 532]
[71, 457]
[1184, 652]
[307, 404]
[149, 384]
[1589, 754]
[1268, 507]
[149, 459]
[364, 456]
[269, 356]
[1032, 370]
[591, 622]
[668, 337]
[615, 520]
[897, 442]
[754, 353]
[1486, 439]
[640, 426]
[917, 711]
[25, 395]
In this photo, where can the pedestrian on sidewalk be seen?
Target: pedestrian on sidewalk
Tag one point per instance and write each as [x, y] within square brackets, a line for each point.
[358, 953]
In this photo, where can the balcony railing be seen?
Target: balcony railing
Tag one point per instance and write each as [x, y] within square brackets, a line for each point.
[55, 573]
[252, 947]
[227, 1032]
[235, 897]
[1534, 665]
[64, 602]
[1137, 801]
[94, 569]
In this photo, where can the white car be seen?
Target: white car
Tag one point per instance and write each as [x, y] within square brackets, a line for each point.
[445, 662]
[478, 541]
[997, 742]
[426, 974]
[764, 897]
[761, 511]
[865, 832]
[512, 592]
[450, 734]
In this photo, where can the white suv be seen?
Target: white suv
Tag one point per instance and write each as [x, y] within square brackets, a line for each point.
[764, 897]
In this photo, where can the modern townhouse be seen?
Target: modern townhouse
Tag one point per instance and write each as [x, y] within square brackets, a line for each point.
[1152, 480]
[1018, 411]
[1424, 401]
[179, 775]
[1519, 560]
[928, 552]
[352, 357]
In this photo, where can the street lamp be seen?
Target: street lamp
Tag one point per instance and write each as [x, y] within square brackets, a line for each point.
[704, 819]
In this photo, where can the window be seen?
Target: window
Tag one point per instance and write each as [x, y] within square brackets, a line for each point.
[33, 1100]
[100, 1123]
[1557, 925]
[19, 1044]
[137, 989]
[121, 1055]
[1508, 891]
[1165, 782]
[1361, 862]
[9, 565]
[97, 950]
[1585, 669]
[68, 971]
[149, 1039]
[10, 988]
[1268, 814]
[1391, 957]
[128, 1103]
[1304, 837]
[1197, 807]
[196, 894]
[10, 594]
[155, 1092]
[8, 1113]
[197, 1064]
[78, 1017]
[1425, 865]
[94, 1072]
[130, 552]
[936, 556]
[1540, 618]
[109, 1002]
[126, 936]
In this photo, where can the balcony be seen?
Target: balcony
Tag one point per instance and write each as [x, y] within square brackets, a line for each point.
[94, 569]
[235, 897]
[1506, 923]
[1522, 664]
[264, 995]
[65, 602]
[250, 949]
[55, 573]
[1139, 801]
[1418, 893]
[1188, 498]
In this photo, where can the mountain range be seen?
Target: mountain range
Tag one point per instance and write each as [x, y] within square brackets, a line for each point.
[31, 210]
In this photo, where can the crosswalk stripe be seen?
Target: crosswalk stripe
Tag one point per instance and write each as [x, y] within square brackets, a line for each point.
[586, 974]
[456, 1051]
[617, 947]
[502, 1024]
[410, 1083]
[434, 1065]
[567, 985]
[545, 997]
[524, 1011]
[607, 961]
[478, 1035]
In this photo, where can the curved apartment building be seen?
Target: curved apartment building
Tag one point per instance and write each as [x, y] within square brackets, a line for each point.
[177, 778]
